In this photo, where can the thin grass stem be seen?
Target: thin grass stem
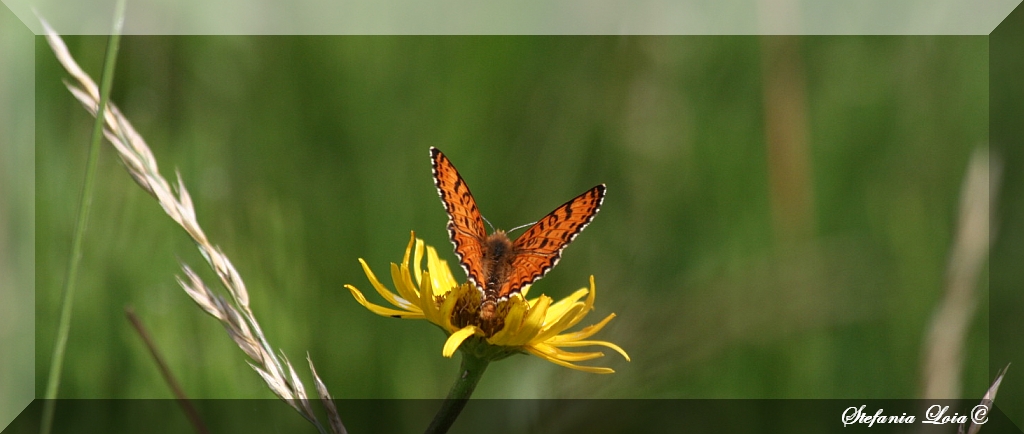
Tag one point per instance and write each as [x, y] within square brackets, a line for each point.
[67, 299]
[165, 372]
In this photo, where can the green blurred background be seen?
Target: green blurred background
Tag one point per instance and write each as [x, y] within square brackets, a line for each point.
[739, 266]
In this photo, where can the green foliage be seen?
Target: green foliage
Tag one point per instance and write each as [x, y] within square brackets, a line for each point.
[305, 153]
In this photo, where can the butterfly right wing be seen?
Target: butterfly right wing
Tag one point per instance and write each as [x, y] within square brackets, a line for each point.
[465, 224]
[539, 248]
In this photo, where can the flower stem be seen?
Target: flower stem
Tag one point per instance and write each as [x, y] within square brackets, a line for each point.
[470, 372]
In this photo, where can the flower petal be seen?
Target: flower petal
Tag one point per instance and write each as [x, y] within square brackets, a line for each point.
[558, 309]
[587, 331]
[588, 305]
[398, 301]
[444, 281]
[437, 313]
[591, 369]
[556, 325]
[448, 306]
[380, 310]
[408, 249]
[417, 260]
[589, 343]
[426, 301]
[532, 323]
[403, 285]
[513, 324]
[456, 339]
[568, 356]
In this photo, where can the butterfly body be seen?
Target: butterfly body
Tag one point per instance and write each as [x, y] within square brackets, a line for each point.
[498, 266]
[497, 261]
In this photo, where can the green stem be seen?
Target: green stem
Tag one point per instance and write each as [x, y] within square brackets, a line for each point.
[67, 299]
[469, 374]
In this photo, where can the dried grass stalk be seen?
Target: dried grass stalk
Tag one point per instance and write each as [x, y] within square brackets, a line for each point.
[987, 400]
[235, 314]
[947, 333]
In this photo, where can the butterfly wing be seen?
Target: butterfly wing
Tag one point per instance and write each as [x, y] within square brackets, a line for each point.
[465, 225]
[540, 247]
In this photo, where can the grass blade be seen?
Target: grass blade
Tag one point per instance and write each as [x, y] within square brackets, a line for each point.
[67, 299]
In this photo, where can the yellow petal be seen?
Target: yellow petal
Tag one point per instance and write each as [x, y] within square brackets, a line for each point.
[417, 260]
[445, 314]
[380, 310]
[588, 305]
[532, 323]
[587, 332]
[456, 339]
[513, 324]
[593, 293]
[389, 296]
[408, 249]
[444, 281]
[558, 325]
[559, 308]
[426, 301]
[589, 343]
[403, 285]
[591, 369]
[568, 356]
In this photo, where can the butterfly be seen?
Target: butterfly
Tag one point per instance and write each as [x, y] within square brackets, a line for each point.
[498, 266]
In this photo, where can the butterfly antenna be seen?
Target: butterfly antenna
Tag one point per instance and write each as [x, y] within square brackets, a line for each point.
[488, 222]
[520, 227]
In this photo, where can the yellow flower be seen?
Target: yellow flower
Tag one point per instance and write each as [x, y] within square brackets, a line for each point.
[534, 326]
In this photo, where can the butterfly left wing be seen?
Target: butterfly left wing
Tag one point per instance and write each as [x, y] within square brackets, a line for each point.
[540, 247]
[465, 224]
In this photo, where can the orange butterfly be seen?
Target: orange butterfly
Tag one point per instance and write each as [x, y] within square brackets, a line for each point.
[498, 266]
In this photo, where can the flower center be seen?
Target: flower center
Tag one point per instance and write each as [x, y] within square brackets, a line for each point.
[467, 312]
